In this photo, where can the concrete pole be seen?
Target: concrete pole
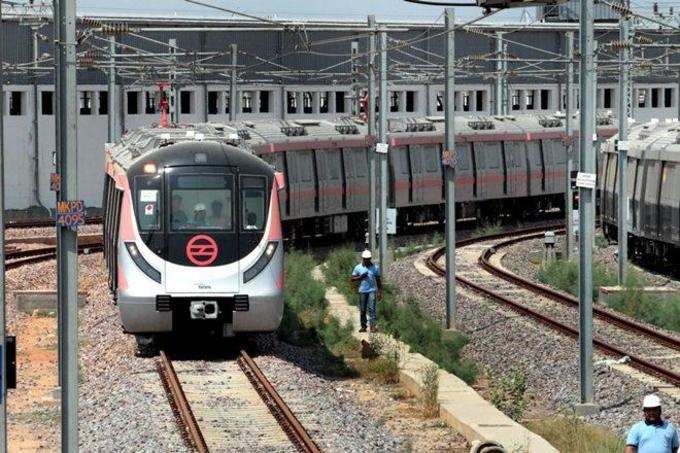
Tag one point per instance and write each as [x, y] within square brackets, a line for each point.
[622, 147]
[67, 239]
[498, 86]
[174, 89]
[371, 131]
[449, 169]
[3, 376]
[504, 81]
[36, 141]
[233, 93]
[354, 72]
[569, 112]
[383, 157]
[111, 107]
[586, 206]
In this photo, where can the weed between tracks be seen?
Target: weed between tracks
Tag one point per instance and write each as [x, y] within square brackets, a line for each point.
[404, 320]
[570, 435]
[633, 302]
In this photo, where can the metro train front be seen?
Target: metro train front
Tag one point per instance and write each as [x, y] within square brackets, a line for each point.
[193, 240]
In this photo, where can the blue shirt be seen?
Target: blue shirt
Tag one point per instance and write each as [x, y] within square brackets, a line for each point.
[368, 284]
[661, 438]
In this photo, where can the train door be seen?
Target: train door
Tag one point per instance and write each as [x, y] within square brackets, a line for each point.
[670, 202]
[431, 181]
[650, 210]
[515, 163]
[535, 169]
[465, 177]
[356, 174]
[489, 171]
[399, 159]
[201, 229]
[328, 164]
[416, 159]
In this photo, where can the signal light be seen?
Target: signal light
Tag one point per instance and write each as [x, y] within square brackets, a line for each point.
[150, 168]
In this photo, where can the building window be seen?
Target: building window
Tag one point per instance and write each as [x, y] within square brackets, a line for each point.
[642, 98]
[440, 101]
[291, 102]
[103, 103]
[307, 102]
[530, 104]
[323, 102]
[668, 97]
[410, 101]
[186, 101]
[264, 101]
[213, 102]
[85, 103]
[149, 103]
[545, 99]
[339, 102]
[227, 102]
[466, 101]
[394, 101]
[607, 101]
[133, 102]
[479, 100]
[15, 101]
[247, 102]
[515, 100]
[655, 97]
[47, 102]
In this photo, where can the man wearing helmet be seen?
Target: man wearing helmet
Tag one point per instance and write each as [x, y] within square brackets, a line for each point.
[653, 434]
[367, 275]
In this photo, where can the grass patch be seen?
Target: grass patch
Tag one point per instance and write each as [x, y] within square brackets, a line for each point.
[563, 275]
[430, 376]
[508, 393]
[571, 435]
[405, 322]
[488, 229]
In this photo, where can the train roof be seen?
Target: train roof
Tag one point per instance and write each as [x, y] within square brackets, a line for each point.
[269, 136]
[654, 140]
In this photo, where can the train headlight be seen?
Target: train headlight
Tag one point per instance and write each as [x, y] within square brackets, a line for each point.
[141, 263]
[261, 263]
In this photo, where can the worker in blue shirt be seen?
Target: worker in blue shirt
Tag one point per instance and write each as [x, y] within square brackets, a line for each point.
[367, 275]
[653, 434]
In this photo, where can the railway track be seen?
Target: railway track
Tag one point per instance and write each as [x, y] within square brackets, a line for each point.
[17, 257]
[208, 397]
[48, 222]
[648, 350]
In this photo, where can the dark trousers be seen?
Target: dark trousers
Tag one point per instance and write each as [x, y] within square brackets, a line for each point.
[367, 307]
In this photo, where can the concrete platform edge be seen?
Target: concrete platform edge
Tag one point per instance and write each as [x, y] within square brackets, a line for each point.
[460, 406]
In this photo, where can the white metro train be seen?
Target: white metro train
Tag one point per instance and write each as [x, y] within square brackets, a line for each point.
[192, 235]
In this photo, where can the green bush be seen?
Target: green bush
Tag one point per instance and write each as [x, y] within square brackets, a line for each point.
[406, 321]
[633, 302]
[508, 393]
[563, 275]
[571, 435]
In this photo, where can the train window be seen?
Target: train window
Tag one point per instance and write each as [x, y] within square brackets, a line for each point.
[148, 202]
[545, 99]
[201, 202]
[431, 158]
[480, 100]
[493, 157]
[264, 101]
[15, 102]
[47, 102]
[410, 101]
[323, 102]
[607, 101]
[186, 102]
[253, 202]
[213, 102]
[340, 102]
[668, 97]
[463, 156]
[103, 103]
[132, 102]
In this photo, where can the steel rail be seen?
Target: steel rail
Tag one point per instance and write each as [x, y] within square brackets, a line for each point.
[635, 361]
[279, 409]
[180, 404]
[39, 223]
[24, 257]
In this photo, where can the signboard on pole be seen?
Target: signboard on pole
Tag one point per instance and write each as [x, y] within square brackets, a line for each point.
[586, 180]
[71, 214]
[381, 148]
[449, 158]
[390, 220]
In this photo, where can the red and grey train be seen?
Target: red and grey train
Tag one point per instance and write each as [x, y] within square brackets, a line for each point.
[653, 195]
[192, 235]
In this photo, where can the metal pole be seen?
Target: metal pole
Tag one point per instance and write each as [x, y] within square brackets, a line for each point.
[383, 157]
[449, 169]
[354, 72]
[371, 132]
[569, 112]
[586, 205]
[504, 81]
[233, 100]
[67, 239]
[174, 89]
[3, 376]
[111, 106]
[622, 148]
[498, 107]
[36, 142]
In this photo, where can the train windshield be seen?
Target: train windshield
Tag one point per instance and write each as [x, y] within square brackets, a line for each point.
[253, 202]
[201, 202]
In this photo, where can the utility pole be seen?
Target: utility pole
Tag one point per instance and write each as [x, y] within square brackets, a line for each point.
[370, 67]
[233, 99]
[449, 158]
[174, 88]
[504, 81]
[569, 113]
[354, 76]
[586, 206]
[67, 238]
[498, 107]
[110, 107]
[622, 147]
[36, 142]
[382, 156]
[3, 376]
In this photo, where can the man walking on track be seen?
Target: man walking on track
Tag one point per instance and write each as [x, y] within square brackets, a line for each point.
[370, 289]
[653, 434]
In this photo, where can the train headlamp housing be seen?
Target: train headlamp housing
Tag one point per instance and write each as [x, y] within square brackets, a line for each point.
[141, 263]
[262, 262]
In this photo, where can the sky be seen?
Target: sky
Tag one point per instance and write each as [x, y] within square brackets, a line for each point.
[392, 10]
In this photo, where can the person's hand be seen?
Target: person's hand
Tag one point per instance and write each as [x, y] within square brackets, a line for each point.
[364, 275]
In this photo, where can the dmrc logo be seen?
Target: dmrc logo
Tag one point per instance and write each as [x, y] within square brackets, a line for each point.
[202, 250]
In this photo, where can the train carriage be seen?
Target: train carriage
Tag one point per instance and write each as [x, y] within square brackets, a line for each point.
[192, 234]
